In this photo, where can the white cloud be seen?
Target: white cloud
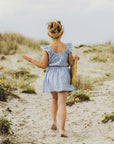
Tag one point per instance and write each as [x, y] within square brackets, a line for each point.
[42, 7]
[101, 5]
[45, 8]
[9, 7]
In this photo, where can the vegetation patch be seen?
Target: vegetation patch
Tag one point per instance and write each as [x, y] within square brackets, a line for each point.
[93, 49]
[112, 49]
[29, 90]
[77, 97]
[5, 126]
[109, 75]
[106, 77]
[7, 141]
[24, 74]
[81, 45]
[22, 82]
[9, 43]
[1, 67]
[18, 74]
[108, 117]
[5, 91]
[82, 82]
[98, 58]
[3, 57]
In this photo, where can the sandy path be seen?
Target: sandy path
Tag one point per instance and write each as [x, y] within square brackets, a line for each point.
[31, 117]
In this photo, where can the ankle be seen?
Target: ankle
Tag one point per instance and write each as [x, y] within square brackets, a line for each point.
[54, 122]
[62, 131]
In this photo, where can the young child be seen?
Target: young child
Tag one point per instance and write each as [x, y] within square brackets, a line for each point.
[56, 59]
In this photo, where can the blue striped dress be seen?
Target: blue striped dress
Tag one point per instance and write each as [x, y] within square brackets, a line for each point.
[57, 76]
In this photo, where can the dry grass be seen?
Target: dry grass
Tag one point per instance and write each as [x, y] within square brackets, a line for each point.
[77, 97]
[10, 43]
[83, 83]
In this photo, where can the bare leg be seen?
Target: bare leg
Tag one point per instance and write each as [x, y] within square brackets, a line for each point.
[62, 97]
[54, 108]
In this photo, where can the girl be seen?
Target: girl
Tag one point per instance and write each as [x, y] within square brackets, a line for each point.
[56, 59]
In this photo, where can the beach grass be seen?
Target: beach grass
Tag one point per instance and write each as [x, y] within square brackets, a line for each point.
[5, 125]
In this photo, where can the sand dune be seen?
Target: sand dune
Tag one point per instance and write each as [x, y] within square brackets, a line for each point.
[31, 114]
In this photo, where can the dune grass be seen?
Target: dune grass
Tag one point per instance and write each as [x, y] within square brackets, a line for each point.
[98, 58]
[82, 82]
[29, 90]
[77, 97]
[10, 42]
[5, 125]
[7, 141]
[5, 91]
[108, 117]
[13, 80]
[93, 49]
[101, 52]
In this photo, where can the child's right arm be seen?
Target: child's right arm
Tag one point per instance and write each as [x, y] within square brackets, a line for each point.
[41, 64]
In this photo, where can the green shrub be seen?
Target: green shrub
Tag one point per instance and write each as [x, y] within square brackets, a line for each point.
[24, 74]
[3, 93]
[5, 126]
[7, 141]
[20, 73]
[76, 97]
[108, 117]
[29, 90]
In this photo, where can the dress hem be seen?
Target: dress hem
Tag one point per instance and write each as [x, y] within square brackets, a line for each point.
[58, 90]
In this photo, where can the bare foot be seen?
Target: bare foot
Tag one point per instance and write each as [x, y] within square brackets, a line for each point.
[54, 127]
[62, 134]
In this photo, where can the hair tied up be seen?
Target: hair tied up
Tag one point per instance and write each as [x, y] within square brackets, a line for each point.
[55, 29]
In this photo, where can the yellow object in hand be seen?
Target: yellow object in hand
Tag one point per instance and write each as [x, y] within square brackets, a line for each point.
[73, 72]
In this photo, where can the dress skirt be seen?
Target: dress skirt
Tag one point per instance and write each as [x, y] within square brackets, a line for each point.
[57, 79]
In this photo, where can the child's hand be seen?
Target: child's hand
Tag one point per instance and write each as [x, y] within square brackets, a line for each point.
[76, 57]
[27, 58]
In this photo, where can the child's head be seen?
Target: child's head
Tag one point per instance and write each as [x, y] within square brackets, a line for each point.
[55, 29]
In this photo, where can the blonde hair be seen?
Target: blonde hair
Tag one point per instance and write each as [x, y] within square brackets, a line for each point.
[55, 29]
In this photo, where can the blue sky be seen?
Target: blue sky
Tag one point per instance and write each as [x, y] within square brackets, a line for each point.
[84, 21]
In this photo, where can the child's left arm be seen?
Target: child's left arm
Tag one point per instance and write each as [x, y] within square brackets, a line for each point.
[41, 64]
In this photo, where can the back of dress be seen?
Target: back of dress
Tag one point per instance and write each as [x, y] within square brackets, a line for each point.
[57, 77]
[58, 59]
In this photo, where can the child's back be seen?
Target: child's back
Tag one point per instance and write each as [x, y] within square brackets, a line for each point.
[58, 47]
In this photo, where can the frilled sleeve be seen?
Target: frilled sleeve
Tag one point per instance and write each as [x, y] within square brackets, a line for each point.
[70, 47]
[46, 48]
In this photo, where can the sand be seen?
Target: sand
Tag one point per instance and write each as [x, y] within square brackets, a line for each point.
[31, 115]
